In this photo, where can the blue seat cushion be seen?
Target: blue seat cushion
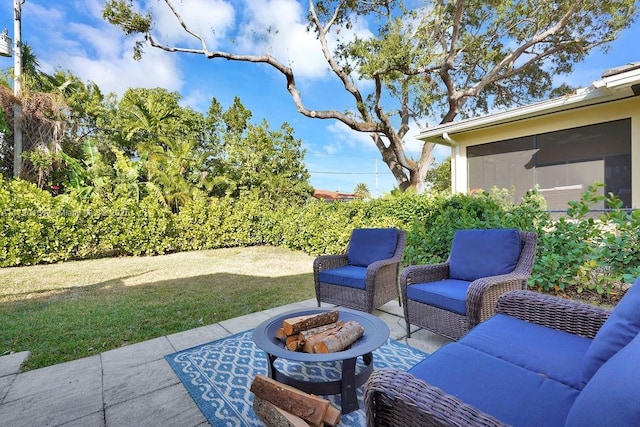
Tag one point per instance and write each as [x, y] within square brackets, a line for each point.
[349, 275]
[448, 294]
[483, 253]
[546, 351]
[508, 392]
[612, 395]
[368, 245]
[619, 329]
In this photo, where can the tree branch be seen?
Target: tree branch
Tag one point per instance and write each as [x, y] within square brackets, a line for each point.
[337, 70]
[506, 66]
[286, 71]
[184, 25]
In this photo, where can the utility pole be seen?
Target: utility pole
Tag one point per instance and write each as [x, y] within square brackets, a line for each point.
[377, 188]
[17, 87]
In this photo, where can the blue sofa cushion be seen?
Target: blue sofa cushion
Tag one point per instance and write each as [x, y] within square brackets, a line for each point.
[546, 351]
[619, 329]
[368, 245]
[349, 275]
[448, 294]
[612, 396]
[508, 392]
[483, 253]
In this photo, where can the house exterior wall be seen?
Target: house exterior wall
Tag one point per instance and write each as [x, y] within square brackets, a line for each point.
[584, 116]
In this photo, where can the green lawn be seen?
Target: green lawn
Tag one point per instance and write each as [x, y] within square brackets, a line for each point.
[75, 309]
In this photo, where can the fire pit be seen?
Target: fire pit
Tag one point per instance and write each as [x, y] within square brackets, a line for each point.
[375, 335]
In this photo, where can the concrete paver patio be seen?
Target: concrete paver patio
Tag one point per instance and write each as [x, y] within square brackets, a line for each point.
[134, 385]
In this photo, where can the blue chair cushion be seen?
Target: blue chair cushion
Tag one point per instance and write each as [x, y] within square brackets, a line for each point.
[510, 393]
[547, 351]
[368, 245]
[349, 275]
[483, 253]
[448, 294]
[619, 329]
[612, 396]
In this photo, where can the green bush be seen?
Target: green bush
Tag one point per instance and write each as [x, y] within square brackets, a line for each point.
[29, 220]
[577, 252]
[430, 236]
[582, 253]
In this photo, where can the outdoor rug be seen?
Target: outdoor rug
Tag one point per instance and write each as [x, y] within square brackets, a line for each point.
[218, 376]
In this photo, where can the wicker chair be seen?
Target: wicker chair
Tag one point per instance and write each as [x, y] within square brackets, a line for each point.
[446, 305]
[366, 276]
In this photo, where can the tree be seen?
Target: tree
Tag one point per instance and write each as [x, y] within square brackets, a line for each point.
[438, 178]
[246, 157]
[440, 60]
[58, 111]
[362, 190]
[156, 127]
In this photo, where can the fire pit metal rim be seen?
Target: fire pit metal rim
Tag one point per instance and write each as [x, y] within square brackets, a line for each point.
[376, 333]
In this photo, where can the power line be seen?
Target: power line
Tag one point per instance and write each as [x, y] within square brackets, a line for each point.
[353, 173]
[315, 153]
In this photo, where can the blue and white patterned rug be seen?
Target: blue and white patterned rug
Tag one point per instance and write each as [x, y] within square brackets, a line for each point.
[218, 376]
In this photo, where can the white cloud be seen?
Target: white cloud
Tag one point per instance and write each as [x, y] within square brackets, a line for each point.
[209, 19]
[344, 135]
[80, 41]
[116, 74]
[278, 27]
[105, 43]
[197, 100]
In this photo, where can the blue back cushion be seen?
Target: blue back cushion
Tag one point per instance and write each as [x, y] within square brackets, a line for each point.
[612, 396]
[483, 253]
[619, 329]
[368, 245]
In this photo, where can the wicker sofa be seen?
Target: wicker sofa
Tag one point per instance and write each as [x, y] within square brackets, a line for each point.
[540, 361]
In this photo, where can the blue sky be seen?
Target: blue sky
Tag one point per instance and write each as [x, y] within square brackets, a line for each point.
[71, 35]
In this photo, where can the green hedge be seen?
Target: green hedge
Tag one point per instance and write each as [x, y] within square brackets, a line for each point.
[576, 252]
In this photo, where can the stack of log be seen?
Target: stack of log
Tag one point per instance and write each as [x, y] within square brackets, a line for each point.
[319, 333]
[280, 405]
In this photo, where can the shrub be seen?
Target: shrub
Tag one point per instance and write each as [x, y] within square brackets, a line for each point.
[429, 237]
[577, 252]
[580, 253]
[27, 222]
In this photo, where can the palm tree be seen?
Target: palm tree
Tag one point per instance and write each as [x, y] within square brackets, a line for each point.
[362, 191]
[158, 127]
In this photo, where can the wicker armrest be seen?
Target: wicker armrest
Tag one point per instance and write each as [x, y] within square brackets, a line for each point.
[483, 294]
[397, 398]
[424, 273]
[383, 263]
[327, 262]
[554, 312]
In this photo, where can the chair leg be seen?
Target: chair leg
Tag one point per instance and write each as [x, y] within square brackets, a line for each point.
[408, 329]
